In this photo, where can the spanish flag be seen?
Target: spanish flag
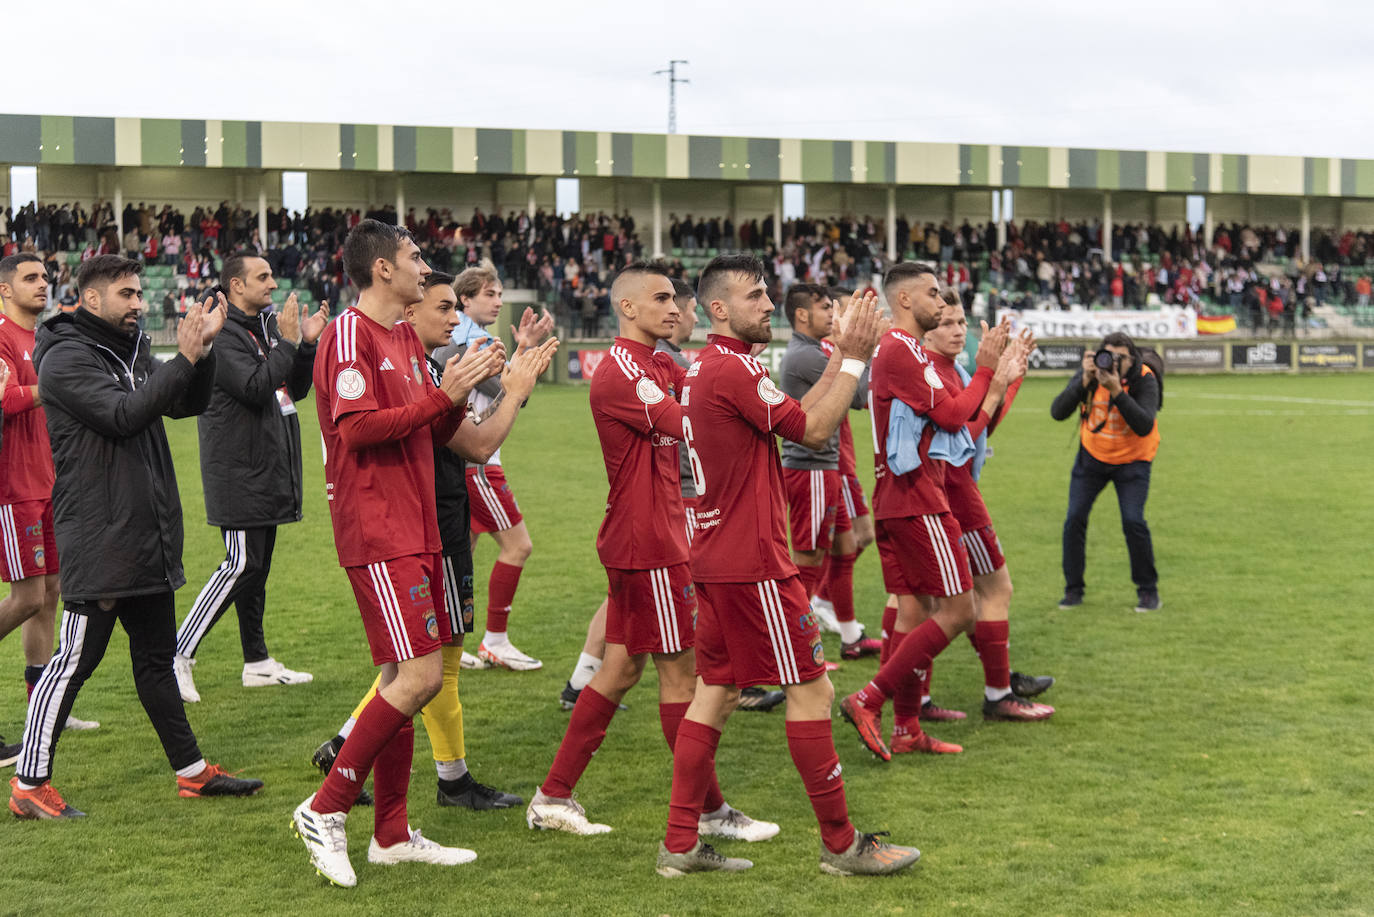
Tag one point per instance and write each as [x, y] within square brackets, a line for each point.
[1215, 324]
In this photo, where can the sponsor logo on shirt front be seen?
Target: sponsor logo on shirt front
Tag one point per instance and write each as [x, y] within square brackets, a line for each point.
[387, 364]
[350, 384]
[768, 392]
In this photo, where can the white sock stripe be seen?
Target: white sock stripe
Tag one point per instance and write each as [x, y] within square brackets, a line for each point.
[40, 726]
[214, 593]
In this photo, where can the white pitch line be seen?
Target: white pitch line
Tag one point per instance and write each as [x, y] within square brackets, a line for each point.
[1283, 399]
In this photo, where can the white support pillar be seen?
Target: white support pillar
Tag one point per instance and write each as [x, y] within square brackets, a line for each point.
[371, 192]
[238, 190]
[1209, 222]
[953, 221]
[530, 204]
[892, 253]
[1001, 218]
[400, 200]
[119, 202]
[777, 217]
[1107, 227]
[1306, 229]
[262, 207]
[658, 220]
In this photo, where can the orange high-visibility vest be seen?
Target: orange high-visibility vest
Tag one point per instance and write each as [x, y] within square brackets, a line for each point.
[1116, 443]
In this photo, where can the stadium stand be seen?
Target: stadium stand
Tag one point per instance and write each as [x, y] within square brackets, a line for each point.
[1249, 272]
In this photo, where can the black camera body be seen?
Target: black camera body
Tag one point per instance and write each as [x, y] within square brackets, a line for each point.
[1107, 361]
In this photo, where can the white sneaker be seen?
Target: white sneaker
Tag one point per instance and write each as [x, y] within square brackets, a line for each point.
[75, 725]
[419, 849]
[825, 611]
[506, 656]
[181, 665]
[271, 672]
[469, 661]
[549, 813]
[324, 837]
[732, 823]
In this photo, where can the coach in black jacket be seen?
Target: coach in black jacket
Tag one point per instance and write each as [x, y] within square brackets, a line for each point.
[117, 518]
[250, 461]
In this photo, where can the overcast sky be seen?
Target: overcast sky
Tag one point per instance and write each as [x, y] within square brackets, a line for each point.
[1254, 77]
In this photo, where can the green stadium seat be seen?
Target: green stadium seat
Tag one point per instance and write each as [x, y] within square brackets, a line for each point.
[676, 252]
[284, 284]
[279, 296]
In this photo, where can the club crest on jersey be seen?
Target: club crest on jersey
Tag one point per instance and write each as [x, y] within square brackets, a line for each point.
[817, 651]
[415, 370]
[431, 625]
[38, 556]
[933, 377]
[350, 384]
[768, 392]
[648, 391]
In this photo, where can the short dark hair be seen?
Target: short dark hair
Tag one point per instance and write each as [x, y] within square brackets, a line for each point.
[639, 268]
[234, 267]
[950, 295]
[683, 292]
[366, 242]
[437, 279]
[1121, 339]
[721, 267]
[802, 296]
[102, 270]
[903, 271]
[9, 266]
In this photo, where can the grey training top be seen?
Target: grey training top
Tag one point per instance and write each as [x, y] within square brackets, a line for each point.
[803, 364]
[689, 490]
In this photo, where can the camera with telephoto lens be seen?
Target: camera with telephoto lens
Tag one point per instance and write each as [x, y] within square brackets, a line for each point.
[1107, 361]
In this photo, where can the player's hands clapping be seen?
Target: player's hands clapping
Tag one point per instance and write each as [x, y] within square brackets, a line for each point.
[992, 343]
[463, 373]
[197, 330]
[526, 367]
[289, 320]
[859, 327]
[531, 330]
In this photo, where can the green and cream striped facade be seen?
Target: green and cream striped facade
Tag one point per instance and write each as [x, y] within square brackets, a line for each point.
[68, 140]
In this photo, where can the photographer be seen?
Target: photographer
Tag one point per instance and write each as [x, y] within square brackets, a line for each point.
[1115, 396]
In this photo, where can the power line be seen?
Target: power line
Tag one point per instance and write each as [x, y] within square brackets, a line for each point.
[673, 80]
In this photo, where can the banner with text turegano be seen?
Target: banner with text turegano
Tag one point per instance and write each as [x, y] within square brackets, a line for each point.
[1167, 322]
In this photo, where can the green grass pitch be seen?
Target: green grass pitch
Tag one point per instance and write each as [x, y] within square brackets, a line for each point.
[1211, 758]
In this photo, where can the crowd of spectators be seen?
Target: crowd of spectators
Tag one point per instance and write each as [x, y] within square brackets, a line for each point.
[1253, 272]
